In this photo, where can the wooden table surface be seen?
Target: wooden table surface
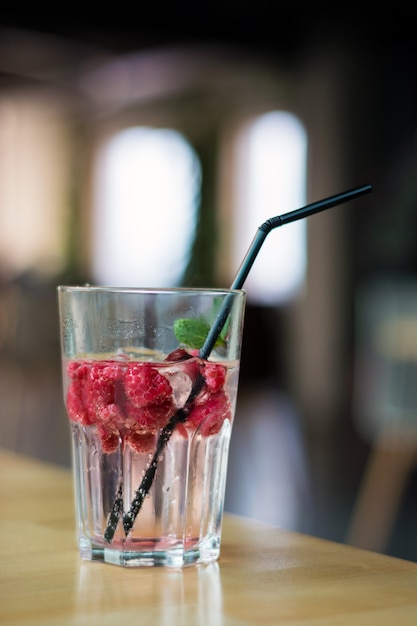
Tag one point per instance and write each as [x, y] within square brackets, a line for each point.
[265, 575]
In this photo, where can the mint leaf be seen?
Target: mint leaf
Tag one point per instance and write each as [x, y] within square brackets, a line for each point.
[193, 332]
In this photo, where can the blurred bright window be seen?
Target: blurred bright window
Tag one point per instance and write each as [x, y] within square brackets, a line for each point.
[147, 192]
[34, 166]
[147, 188]
[271, 180]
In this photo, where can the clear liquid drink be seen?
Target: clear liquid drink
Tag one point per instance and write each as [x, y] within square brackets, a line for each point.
[150, 420]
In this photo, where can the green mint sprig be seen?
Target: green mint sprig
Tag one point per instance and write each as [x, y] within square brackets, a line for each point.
[193, 333]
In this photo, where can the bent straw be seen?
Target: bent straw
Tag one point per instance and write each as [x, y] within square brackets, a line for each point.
[256, 244]
[181, 414]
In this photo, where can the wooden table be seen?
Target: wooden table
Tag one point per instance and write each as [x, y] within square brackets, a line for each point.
[265, 575]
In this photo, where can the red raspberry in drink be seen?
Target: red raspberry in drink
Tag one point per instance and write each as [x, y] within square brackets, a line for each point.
[111, 415]
[215, 376]
[148, 418]
[179, 354]
[141, 442]
[104, 384]
[78, 369]
[210, 414]
[144, 385]
[76, 406]
[109, 438]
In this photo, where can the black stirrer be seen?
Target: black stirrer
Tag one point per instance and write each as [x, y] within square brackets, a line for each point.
[182, 413]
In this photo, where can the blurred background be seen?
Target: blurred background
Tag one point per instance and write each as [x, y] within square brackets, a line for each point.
[144, 146]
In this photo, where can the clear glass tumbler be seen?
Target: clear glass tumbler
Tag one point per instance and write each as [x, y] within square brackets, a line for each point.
[150, 418]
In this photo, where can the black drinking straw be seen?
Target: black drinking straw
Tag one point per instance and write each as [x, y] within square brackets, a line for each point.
[181, 414]
[256, 244]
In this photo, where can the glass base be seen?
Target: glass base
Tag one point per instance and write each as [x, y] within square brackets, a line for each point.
[149, 554]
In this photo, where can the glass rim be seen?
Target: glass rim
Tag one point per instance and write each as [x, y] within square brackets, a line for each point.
[87, 288]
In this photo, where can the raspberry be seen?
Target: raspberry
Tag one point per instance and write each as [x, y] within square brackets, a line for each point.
[210, 415]
[109, 438]
[77, 369]
[93, 388]
[145, 385]
[149, 418]
[103, 384]
[113, 371]
[111, 415]
[215, 376]
[179, 354]
[141, 442]
[76, 407]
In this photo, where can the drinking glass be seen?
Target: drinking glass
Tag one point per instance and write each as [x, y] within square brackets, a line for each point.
[150, 419]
